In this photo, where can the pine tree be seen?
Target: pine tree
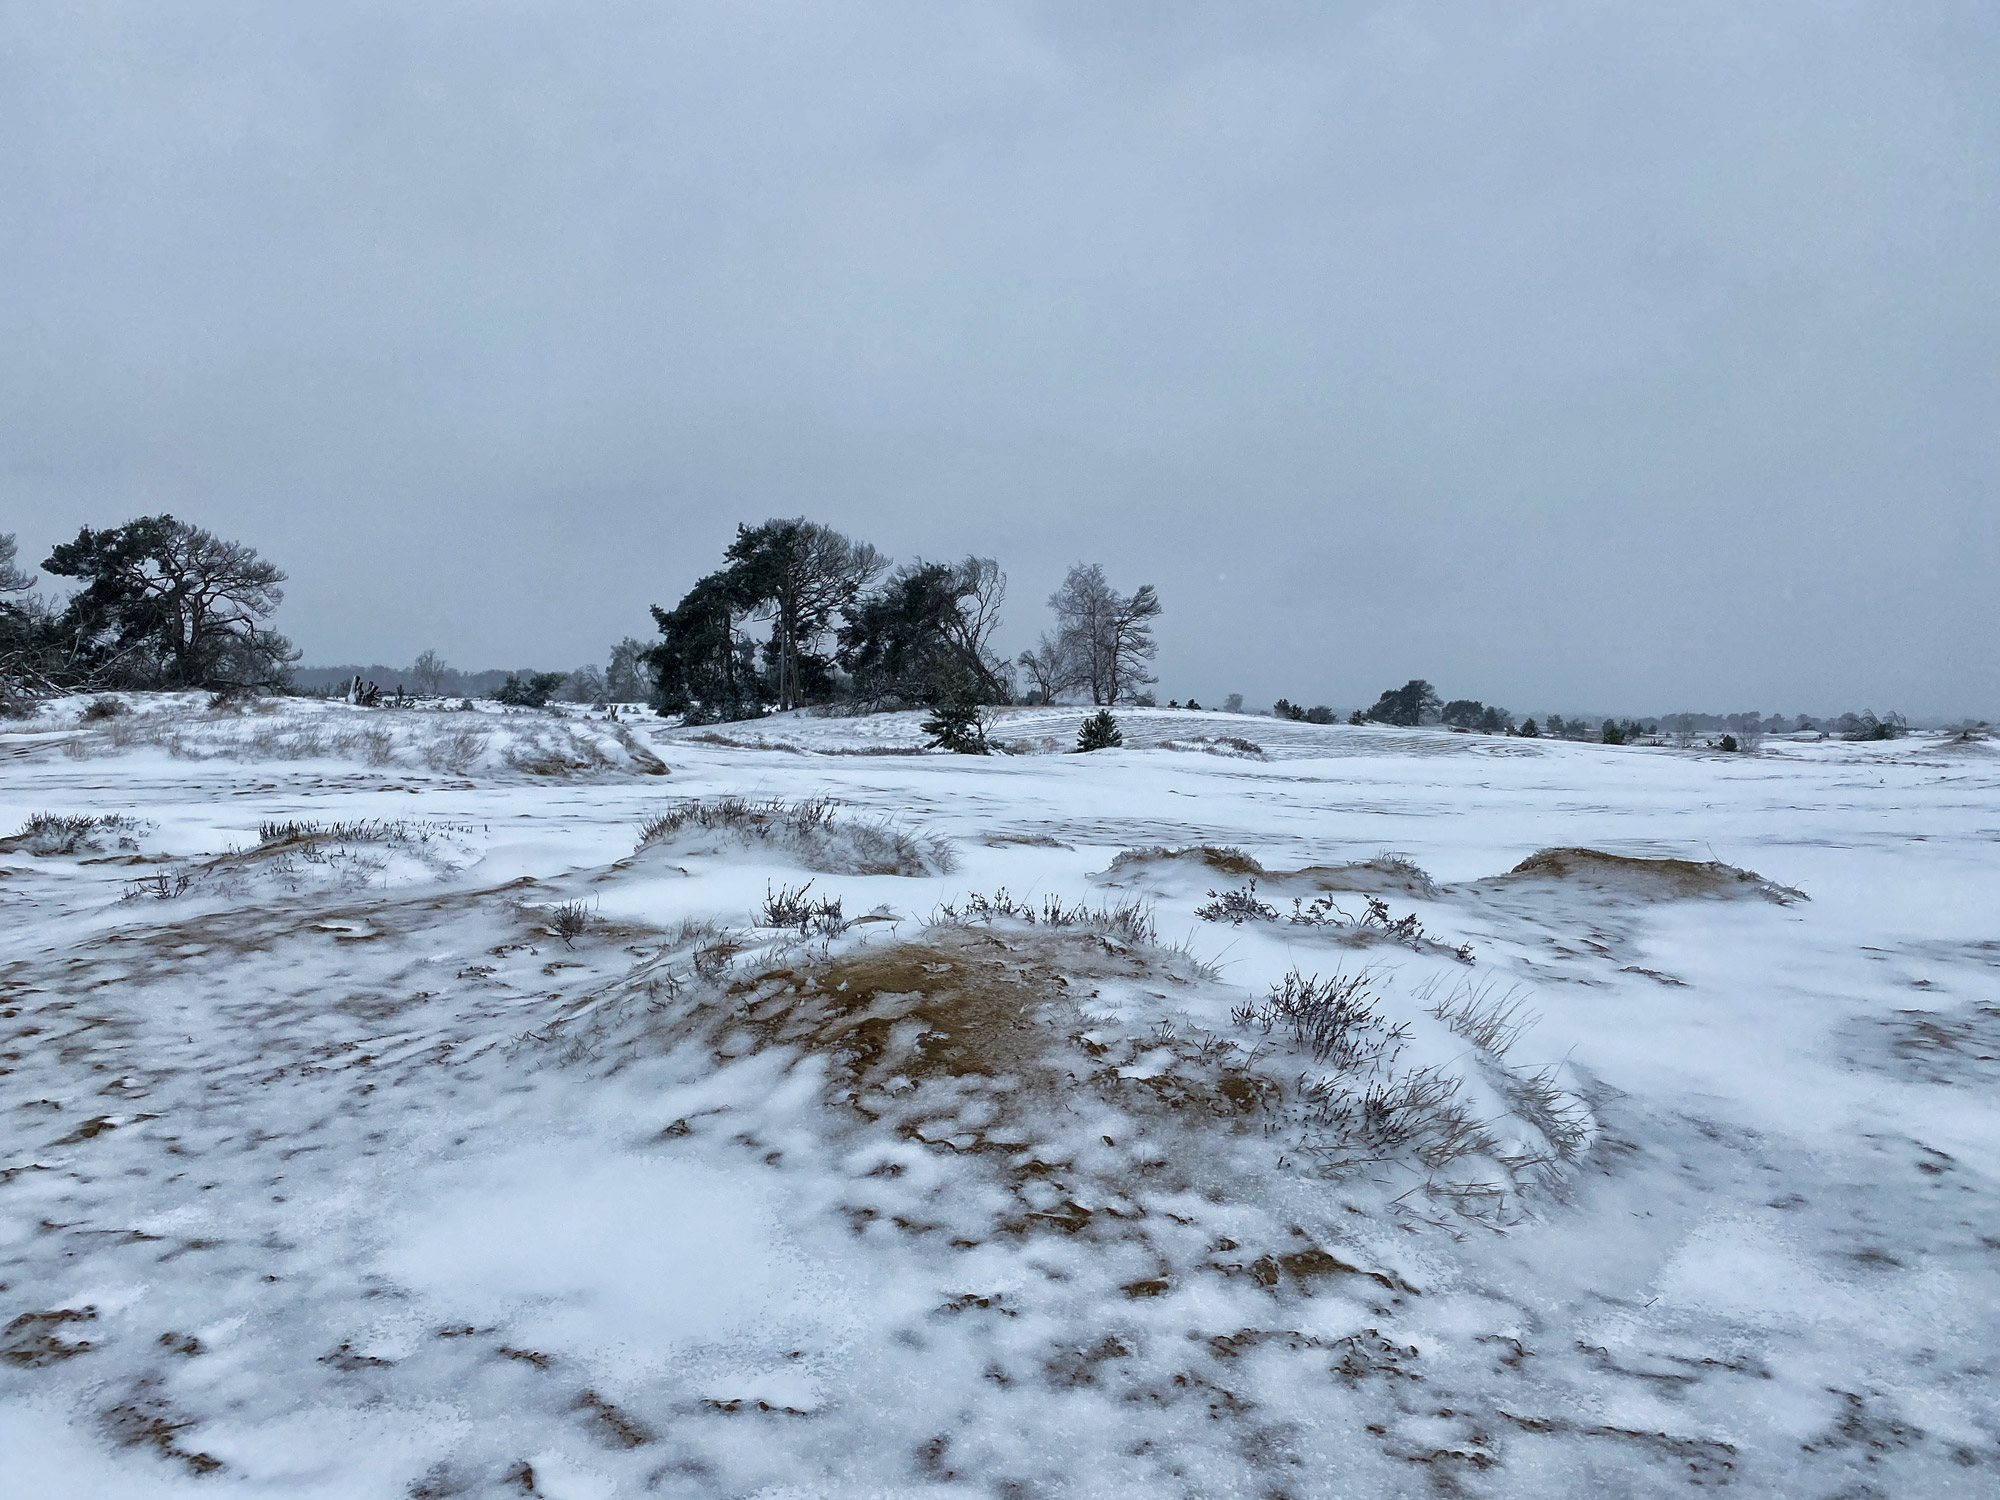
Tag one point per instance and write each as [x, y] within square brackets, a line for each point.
[955, 725]
[1100, 732]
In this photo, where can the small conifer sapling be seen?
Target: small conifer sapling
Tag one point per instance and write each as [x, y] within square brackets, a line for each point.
[1100, 732]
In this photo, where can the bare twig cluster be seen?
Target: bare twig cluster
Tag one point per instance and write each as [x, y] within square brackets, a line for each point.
[789, 906]
[1236, 907]
[1244, 905]
[569, 921]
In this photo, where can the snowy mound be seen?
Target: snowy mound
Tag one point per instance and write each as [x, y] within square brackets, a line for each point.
[49, 834]
[1162, 868]
[809, 833]
[1059, 1088]
[1150, 866]
[467, 741]
[1621, 875]
[1231, 745]
[302, 855]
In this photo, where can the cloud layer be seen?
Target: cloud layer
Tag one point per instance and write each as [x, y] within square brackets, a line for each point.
[1576, 356]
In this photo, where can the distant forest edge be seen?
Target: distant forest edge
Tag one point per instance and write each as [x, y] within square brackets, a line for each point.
[797, 615]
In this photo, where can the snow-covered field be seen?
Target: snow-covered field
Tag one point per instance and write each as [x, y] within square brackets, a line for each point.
[381, 1115]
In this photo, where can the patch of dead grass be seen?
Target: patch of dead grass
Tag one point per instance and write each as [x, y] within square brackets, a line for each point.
[1644, 879]
[954, 1003]
[1225, 859]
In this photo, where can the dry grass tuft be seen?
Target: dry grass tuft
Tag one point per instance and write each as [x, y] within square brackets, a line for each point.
[984, 1035]
[555, 750]
[308, 833]
[296, 853]
[47, 834]
[955, 1003]
[1334, 1020]
[1233, 746]
[1128, 921]
[1492, 1023]
[1374, 924]
[454, 751]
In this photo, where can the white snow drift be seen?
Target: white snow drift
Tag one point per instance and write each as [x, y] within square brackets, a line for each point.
[404, 1102]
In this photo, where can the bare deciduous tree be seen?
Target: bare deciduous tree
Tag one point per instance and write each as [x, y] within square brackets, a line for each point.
[427, 675]
[1083, 607]
[26, 662]
[584, 685]
[1131, 645]
[626, 677]
[1050, 666]
[981, 588]
[1106, 636]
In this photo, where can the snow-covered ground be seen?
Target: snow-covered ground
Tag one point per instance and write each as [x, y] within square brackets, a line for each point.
[381, 1115]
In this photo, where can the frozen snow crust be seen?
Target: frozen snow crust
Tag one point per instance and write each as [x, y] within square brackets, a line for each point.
[375, 1127]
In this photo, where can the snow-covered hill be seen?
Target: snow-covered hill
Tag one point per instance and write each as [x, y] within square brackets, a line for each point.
[413, 1103]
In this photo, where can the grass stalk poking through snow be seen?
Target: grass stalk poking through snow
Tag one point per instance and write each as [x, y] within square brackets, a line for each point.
[1490, 1022]
[1130, 921]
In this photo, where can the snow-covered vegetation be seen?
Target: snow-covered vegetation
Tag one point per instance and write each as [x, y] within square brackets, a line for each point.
[440, 1101]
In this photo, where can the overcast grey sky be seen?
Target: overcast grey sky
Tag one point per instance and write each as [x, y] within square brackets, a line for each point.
[1601, 357]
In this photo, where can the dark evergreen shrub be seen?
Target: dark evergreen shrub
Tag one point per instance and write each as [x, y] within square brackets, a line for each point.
[1100, 732]
[956, 726]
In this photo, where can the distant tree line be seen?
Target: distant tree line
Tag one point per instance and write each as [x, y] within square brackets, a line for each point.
[797, 614]
[427, 677]
[1416, 702]
[840, 624]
